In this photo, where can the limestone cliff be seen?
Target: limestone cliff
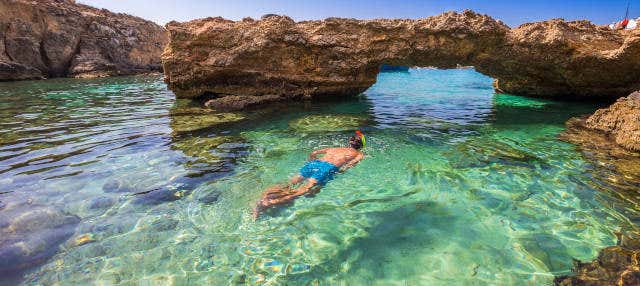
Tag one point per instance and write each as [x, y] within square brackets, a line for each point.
[57, 38]
[276, 58]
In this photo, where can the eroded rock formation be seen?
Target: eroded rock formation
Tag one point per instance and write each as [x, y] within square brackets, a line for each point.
[621, 121]
[57, 38]
[613, 131]
[249, 62]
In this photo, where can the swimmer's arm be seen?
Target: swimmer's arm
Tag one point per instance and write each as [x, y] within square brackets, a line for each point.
[314, 154]
[353, 162]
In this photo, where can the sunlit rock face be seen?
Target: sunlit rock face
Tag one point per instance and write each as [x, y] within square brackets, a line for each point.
[613, 131]
[275, 58]
[621, 121]
[41, 39]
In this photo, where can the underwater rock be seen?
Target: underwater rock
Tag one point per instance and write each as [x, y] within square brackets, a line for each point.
[205, 148]
[615, 265]
[185, 120]
[482, 153]
[240, 102]
[101, 203]
[83, 239]
[160, 195]
[324, 123]
[161, 224]
[208, 197]
[243, 63]
[53, 38]
[540, 247]
[117, 186]
[31, 234]
[108, 226]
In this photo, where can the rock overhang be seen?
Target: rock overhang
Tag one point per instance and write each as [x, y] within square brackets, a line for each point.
[276, 58]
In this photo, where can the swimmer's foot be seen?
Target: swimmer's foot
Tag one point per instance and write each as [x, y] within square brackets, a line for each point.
[256, 213]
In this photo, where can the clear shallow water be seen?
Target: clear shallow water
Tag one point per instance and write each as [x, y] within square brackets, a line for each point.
[460, 185]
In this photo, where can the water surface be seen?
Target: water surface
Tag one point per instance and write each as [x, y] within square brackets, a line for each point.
[460, 186]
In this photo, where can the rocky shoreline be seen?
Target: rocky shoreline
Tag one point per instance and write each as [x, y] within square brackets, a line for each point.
[59, 38]
[610, 136]
[610, 139]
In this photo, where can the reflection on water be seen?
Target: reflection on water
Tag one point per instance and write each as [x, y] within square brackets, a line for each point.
[113, 181]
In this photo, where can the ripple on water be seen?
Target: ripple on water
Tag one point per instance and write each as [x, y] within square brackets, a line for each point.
[460, 186]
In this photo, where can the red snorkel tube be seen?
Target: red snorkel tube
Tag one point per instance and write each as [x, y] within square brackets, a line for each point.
[364, 140]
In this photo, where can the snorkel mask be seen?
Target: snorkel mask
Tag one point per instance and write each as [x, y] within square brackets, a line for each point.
[362, 138]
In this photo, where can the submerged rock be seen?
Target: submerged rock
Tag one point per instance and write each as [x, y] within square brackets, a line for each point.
[160, 195]
[615, 265]
[117, 186]
[83, 239]
[50, 38]
[482, 153]
[163, 223]
[246, 63]
[192, 119]
[101, 203]
[208, 197]
[324, 123]
[232, 102]
[31, 234]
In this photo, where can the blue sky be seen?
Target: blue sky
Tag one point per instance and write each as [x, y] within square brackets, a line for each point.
[513, 13]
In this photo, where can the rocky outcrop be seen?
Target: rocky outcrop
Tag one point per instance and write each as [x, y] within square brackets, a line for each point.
[610, 140]
[276, 58]
[615, 265]
[58, 38]
[621, 121]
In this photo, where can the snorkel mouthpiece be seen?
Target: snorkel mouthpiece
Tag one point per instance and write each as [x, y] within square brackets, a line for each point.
[362, 138]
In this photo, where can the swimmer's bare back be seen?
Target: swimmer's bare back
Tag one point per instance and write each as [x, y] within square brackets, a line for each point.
[343, 157]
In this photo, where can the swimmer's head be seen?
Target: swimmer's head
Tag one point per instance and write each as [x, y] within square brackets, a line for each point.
[355, 142]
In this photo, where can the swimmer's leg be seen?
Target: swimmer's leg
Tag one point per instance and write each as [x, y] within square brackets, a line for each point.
[296, 180]
[270, 194]
[311, 185]
[278, 194]
[290, 196]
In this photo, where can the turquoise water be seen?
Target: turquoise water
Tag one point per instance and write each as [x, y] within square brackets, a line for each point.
[460, 186]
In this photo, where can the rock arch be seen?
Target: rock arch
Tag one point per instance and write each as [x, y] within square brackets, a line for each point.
[240, 63]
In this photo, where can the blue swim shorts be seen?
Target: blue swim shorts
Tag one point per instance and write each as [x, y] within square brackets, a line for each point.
[321, 171]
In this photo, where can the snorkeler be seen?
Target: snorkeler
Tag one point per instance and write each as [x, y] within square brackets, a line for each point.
[314, 174]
